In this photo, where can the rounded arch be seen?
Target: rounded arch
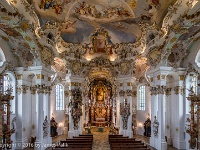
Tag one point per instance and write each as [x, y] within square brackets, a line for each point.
[2, 57]
[197, 58]
[12, 82]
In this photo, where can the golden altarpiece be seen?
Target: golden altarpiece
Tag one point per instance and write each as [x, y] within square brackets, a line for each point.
[100, 103]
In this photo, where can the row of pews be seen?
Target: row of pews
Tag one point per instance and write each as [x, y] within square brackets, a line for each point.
[118, 142]
[81, 142]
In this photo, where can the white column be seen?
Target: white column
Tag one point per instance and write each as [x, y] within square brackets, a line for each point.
[153, 108]
[162, 145]
[20, 134]
[179, 143]
[129, 131]
[47, 140]
[121, 100]
[168, 118]
[118, 110]
[39, 120]
[71, 132]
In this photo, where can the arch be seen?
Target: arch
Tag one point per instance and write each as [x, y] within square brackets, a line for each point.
[197, 58]
[2, 57]
[12, 81]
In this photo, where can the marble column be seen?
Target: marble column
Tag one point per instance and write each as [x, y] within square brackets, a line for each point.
[118, 110]
[40, 117]
[153, 114]
[21, 136]
[179, 142]
[71, 132]
[121, 100]
[162, 145]
[129, 93]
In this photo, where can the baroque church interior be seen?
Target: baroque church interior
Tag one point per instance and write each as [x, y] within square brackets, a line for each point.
[117, 70]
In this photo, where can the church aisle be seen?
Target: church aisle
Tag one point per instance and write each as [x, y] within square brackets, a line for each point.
[100, 139]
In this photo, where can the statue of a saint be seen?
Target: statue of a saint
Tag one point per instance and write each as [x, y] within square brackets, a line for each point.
[45, 127]
[100, 95]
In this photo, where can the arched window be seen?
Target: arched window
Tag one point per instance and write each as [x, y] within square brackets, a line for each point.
[9, 83]
[59, 97]
[6, 83]
[194, 83]
[141, 97]
[6, 86]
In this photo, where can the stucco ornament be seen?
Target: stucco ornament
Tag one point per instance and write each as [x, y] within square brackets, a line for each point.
[154, 57]
[75, 104]
[155, 127]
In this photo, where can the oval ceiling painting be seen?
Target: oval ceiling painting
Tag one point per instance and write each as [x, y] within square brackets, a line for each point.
[79, 19]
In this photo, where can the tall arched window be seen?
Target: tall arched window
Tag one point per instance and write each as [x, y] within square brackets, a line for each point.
[6, 83]
[194, 83]
[6, 86]
[141, 97]
[59, 97]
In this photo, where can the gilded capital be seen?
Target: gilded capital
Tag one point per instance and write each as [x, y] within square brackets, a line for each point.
[121, 93]
[22, 89]
[168, 91]
[129, 92]
[153, 90]
[40, 88]
[33, 89]
[161, 89]
[179, 90]
[47, 90]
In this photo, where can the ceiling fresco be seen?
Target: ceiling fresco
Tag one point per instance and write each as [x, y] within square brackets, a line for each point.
[79, 19]
[100, 38]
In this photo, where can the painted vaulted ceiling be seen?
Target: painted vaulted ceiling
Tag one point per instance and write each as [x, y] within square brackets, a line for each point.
[100, 38]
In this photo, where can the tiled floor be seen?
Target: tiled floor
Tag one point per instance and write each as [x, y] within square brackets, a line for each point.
[101, 140]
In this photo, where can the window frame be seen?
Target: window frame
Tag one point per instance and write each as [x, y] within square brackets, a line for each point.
[59, 97]
[141, 97]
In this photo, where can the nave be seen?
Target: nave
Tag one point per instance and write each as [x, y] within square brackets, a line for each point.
[102, 140]
[69, 65]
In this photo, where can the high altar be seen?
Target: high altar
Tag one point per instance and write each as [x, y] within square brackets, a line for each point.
[100, 103]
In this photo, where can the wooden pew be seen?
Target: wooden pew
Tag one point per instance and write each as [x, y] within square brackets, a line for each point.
[82, 137]
[86, 135]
